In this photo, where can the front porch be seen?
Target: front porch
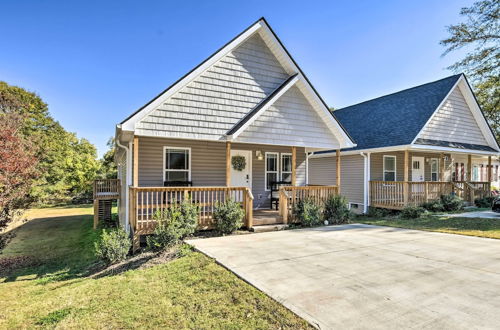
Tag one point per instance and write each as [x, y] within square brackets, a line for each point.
[426, 175]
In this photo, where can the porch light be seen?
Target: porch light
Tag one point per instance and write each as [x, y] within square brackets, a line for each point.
[259, 155]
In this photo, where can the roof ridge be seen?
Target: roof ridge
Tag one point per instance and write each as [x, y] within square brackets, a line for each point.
[400, 91]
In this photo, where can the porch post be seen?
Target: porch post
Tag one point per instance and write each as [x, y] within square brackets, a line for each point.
[405, 177]
[294, 164]
[441, 167]
[337, 172]
[136, 162]
[489, 169]
[228, 163]
[469, 167]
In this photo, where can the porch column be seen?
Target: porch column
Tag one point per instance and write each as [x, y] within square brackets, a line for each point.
[441, 167]
[337, 172]
[228, 163]
[405, 177]
[469, 167]
[489, 169]
[136, 162]
[294, 164]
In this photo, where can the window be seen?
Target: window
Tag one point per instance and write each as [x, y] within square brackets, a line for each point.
[389, 168]
[434, 169]
[271, 168]
[286, 167]
[177, 164]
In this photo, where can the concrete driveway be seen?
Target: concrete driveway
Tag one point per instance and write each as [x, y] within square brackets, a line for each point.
[476, 214]
[361, 276]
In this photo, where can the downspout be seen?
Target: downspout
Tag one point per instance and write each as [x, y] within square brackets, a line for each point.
[127, 183]
[307, 167]
[366, 179]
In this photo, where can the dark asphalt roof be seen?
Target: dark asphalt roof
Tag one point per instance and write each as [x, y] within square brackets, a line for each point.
[394, 119]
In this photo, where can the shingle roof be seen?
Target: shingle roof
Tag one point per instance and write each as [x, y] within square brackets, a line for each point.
[394, 119]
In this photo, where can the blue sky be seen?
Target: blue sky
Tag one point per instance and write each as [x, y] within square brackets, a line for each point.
[95, 62]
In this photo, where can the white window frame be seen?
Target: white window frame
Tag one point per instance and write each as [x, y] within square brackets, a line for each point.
[278, 160]
[281, 165]
[437, 169]
[395, 167]
[165, 170]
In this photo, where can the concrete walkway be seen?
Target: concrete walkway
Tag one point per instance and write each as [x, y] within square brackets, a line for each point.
[475, 214]
[360, 276]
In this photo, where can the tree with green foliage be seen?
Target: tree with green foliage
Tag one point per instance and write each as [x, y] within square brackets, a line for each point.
[67, 165]
[108, 166]
[480, 35]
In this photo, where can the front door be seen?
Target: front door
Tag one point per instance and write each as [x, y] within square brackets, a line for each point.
[241, 168]
[417, 169]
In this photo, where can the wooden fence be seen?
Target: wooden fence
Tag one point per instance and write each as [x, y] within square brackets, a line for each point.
[146, 202]
[399, 194]
[290, 196]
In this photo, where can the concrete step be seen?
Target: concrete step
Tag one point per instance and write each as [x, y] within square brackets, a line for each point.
[266, 228]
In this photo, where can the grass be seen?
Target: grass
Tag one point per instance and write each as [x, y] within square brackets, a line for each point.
[56, 289]
[481, 227]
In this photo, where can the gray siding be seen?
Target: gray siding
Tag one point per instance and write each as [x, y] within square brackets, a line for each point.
[377, 165]
[291, 120]
[208, 164]
[211, 104]
[454, 122]
[323, 171]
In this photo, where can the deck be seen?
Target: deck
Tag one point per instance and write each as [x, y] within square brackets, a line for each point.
[400, 194]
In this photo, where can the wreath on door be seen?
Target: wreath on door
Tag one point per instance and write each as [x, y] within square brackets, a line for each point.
[239, 163]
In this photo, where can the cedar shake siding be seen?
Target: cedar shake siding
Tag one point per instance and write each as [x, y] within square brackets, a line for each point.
[454, 122]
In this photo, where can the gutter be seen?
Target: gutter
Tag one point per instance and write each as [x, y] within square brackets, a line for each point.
[127, 183]
[366, 180]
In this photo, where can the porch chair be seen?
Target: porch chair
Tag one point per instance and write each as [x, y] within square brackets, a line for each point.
[175, 184]
[275, 192]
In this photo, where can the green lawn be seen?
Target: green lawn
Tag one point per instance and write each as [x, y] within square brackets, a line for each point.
[54, 286]
[481, 227]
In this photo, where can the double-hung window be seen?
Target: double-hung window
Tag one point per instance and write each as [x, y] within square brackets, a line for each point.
[177, 164]
[434, 169]
[286, 167]
[389, 168]
[272, 168]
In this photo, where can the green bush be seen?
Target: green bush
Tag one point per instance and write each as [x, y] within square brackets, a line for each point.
[113, 246]
[451, 203]
[337, 210]
[484, 202]
[228, 216]
[173, 224]
[376, 212]
[412, 212]
[433, 206]
[308, 212]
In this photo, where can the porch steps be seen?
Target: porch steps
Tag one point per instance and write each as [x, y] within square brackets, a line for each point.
[267, 228]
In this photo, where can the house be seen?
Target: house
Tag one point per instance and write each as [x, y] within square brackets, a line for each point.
[413, 146]
[244, 118]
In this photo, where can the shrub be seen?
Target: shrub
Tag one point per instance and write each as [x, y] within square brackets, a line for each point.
[337, 210]
[228, 216]
[484, 202]
[412, 212]
[173, 224]
[451, 202]
[113, 245]
[376, 212]
[308, 212]
[433, 206]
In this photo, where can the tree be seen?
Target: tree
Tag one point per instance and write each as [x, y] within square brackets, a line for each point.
[480, 35]
[108, 167]
[17, 168]
[66, 164]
